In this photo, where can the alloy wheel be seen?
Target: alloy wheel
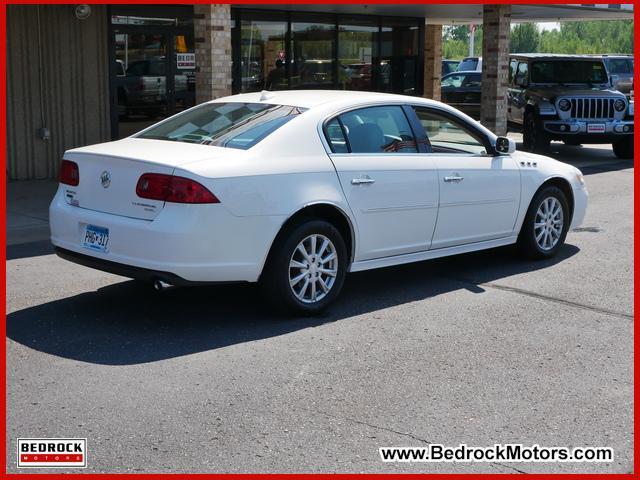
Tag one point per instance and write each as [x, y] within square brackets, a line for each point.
[313, 268]
[548, 223]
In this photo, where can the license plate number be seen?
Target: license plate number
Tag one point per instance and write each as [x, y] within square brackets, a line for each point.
[96, 238]
[595, 128]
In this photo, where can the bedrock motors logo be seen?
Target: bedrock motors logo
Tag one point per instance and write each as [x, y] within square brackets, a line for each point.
[52, 452]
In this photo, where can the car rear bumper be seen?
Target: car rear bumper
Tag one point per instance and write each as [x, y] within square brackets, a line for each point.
[184, 243]
[121, 269]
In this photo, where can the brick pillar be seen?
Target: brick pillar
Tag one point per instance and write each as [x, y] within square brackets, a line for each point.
[496, 31]
[212, 29]
[432, 61]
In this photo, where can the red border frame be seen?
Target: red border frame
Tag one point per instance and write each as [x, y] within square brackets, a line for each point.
[418, 476]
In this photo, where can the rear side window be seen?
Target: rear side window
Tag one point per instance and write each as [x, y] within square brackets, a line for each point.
[618, 66]
[232, 125]
[377, 130]
[335, 137]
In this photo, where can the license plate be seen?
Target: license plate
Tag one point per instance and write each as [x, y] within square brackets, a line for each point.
[595, 128]
[96, 238]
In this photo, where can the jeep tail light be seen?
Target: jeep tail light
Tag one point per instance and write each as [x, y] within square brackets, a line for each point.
[169, 188]
[69, 173]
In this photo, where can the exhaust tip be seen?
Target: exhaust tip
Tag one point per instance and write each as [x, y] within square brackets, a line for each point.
[160, 286]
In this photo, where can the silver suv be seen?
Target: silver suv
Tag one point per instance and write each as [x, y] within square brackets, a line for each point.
[620, 69]
[568, 98]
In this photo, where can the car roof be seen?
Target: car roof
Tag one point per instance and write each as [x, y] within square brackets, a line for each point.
[457, 72]
[555, 56]
[314, 98]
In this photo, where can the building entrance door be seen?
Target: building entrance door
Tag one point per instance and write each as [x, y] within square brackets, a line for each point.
[152, 72]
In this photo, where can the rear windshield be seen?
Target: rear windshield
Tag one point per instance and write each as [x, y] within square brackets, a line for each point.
[232, 125]
[468, 64]
[568, 71]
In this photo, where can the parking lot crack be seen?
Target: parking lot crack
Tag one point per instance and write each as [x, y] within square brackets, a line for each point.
[540, 296]
[374, 426]
[510, 467]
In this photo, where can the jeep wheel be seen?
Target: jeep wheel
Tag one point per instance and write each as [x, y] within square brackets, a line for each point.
[534, 138]
[624, 148]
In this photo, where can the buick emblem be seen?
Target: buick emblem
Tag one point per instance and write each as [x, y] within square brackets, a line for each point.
[105, 179]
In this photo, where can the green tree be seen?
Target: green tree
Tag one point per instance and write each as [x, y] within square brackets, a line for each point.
[525, 38]
[455, 41]
[596, 37]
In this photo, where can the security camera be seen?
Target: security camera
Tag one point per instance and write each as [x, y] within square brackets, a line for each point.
[83, 11]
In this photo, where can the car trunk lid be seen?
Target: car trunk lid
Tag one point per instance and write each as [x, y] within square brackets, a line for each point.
[109, 173]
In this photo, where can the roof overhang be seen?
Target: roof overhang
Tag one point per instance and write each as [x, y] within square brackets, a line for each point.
[448, 14]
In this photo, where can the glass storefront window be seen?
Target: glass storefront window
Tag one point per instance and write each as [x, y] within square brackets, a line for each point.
[294, 50]
[184, 61]
[312, 54]
[357, 49]
[141, 79]
[399, 56]
[169, 15]
[262, 55]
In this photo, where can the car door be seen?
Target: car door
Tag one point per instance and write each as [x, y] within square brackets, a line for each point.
[516, 98]
[479, 192]
[391, 189]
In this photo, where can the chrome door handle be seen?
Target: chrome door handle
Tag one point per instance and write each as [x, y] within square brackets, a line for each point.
[362, 180]
[453, 178]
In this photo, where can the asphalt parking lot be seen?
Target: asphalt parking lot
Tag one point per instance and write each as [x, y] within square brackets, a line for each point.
[479, 349]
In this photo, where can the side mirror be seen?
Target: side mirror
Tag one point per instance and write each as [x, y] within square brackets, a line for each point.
[613, 80]
[505, 145]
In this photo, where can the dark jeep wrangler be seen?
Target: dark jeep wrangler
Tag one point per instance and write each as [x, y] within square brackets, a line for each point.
[568, 98]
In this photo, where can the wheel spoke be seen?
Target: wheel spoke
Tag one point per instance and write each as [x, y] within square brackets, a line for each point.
[297, 264]
[314, 282]
[327, 271]
[314, 240]
[323, 247]
[328, 258]
[296, 280]
[303, 252]
[323, 285]
[303, 290]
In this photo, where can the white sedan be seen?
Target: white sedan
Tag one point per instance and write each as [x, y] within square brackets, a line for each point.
[294, 189]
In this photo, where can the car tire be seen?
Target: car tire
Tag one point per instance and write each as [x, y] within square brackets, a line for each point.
[539, 237]
[534, 138]
[623, 149]
[287, 262]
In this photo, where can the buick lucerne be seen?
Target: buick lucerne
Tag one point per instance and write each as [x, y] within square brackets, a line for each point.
[294, 189]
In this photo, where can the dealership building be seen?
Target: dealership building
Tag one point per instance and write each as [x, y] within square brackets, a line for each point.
[80, 74]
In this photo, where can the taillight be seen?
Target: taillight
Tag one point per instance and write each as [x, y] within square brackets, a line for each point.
[69, 173]
[167, 188]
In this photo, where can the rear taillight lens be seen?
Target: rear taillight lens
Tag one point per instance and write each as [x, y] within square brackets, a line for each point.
[167, 188]
[69, 173]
